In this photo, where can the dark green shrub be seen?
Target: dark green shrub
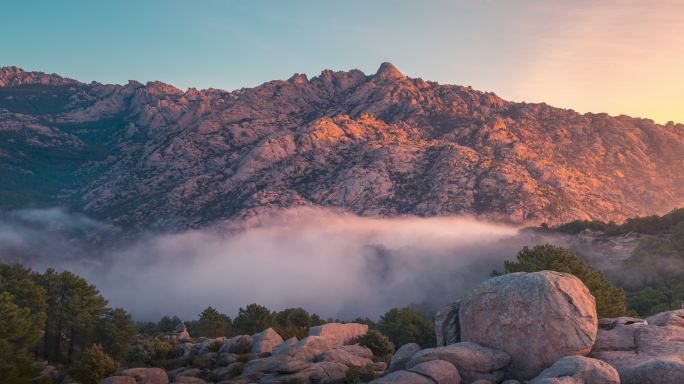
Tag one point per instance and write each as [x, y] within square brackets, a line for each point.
[93, 365]
[406, 325]
[244, 357]
[215, 346]
[252, 319]
[202, 362]
[610, 300]
[357, 375]
[380, 344]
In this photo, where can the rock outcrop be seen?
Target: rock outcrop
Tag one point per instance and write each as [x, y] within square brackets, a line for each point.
[147, 375]
[341, 333]
[578, 369]
[647, 351]
[537, 318]
[379, 144]
[473, 361]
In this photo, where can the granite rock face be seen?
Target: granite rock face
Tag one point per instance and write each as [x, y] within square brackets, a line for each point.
[647, 351]
[578, 369]
[380, 144]
[537, 318]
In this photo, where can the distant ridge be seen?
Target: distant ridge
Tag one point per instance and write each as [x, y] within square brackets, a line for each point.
[382, 144]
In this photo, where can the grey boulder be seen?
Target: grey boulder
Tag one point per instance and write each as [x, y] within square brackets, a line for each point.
[537, 318]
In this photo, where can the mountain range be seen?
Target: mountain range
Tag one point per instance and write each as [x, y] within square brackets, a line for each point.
[382, 144]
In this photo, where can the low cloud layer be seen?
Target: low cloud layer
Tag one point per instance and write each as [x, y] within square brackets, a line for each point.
[332, 263]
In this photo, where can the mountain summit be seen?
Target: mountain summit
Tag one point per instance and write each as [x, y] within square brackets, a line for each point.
[381, 144]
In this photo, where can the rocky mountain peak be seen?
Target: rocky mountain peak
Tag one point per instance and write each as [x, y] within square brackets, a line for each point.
[389, 71]
[14, 76]
[382, 145]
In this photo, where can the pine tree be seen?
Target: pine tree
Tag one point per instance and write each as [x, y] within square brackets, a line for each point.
[252, 319]
[212, 323]
[610, 300]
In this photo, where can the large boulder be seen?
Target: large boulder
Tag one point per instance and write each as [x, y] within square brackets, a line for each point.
[287, 347]
[345, 356]
[322, 372]
[343, 334]
[147, 375]
[402, 356]
[403, 377]
[237, 344]
[447, 328]
[266, 341]
[118, 380]
[310, 347]
[440, 371]
[578, 369]
[188, 380]
[472, 361]
[644, 352]
[675, 318]
[537, 318]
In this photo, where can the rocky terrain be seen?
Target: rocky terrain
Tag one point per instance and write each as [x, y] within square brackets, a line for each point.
[380, 144]
[535, 328]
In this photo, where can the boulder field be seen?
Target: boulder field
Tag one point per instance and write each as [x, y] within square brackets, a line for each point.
[535, 328]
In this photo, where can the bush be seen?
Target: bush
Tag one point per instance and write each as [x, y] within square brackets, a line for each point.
[379, 344]
[215, 346]
[406, 325]
[357, 375]
[93, 365]
[610, 300]
[153, 351]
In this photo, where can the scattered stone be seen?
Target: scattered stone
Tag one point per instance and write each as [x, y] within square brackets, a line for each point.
[238, 345]
[578, 369]
[344, 356]
[644, 352]
[118, 380]
[447, 328]
[147, 375]
[473, 361]
[292, 367]
[439, 371]
[189, 380]
[675, 318]
[287, 347]
[402, 356]
[537, 318]
[310, 347]
[403, 377]
[343, 334]
[266, 341]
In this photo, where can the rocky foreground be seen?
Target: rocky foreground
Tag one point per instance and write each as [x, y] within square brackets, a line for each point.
[379, 144]
[536, 328]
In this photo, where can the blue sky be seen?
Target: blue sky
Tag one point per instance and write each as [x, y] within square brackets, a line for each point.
[613, 56]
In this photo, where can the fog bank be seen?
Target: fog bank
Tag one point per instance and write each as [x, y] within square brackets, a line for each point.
[332, 263]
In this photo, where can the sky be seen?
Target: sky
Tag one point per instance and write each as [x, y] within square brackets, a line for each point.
[619, 57]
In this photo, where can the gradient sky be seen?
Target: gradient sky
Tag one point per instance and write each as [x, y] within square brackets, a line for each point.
[620, 57]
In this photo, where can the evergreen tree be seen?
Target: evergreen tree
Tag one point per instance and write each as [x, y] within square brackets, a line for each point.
[74, 306]
[610, 300]
[295, 322]
[212, 323]
[252, 319]
[16, 333]
[168, 324]
[115, 332]
[406, 325]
